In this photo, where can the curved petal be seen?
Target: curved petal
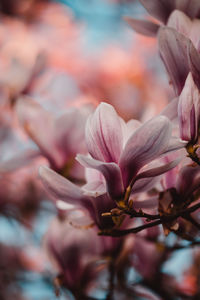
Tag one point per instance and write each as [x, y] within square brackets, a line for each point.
[190, 7]
[143, 26]
[173, 48]
[104, 134]
[189, 110]
[194, 63]
[175, 144]
[179, 21]
[145, 184]
[146, 144]
[94, 188]
[158, 170]
[110, 171]
[60, 187]
[160, 9]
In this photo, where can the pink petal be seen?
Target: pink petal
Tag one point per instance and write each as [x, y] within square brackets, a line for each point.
[146, 144]
[175, 144]
[104, 134]
[190, 7]
[189, 110]
[173, 48]
[158, 170]
[179, 21]
[143, 26]
[60, 187]
[194, 63]
[94, 188]
[110, 171]
[145, 184]
[160, 9]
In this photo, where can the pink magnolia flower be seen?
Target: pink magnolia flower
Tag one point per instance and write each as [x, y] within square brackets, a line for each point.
[179, 49]
[178, 40]
[119, 151]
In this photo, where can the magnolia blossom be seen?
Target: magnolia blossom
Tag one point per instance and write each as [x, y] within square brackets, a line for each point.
[119, 151]
[178, 40]
[179, 49]
[122, 156]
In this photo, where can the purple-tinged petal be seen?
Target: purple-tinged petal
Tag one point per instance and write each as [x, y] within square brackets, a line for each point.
[179, 21]
[194, 33]
[194, 63]
[173, 48]
[147, 179]
[189, 7]
[175, 144]
[189, 110]
[143, 26]
[110, 171]
[146, 144]
[145, 184]
[94, 188]
[160, 9]
[60, 187]
[130, 127]
[158, 170]
[104, 134]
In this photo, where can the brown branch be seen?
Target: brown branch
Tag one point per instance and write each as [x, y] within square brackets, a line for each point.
[159, 220]
[119, 233]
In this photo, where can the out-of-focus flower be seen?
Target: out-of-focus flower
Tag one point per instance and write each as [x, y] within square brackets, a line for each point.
[58, 138]
[76, 254]
[179, 56]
